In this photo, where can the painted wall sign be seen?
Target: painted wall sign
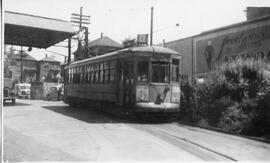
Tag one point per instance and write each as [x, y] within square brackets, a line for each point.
[242, 42]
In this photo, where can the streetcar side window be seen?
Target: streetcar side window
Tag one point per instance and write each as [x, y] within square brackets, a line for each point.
[175, 70]
[160, 72]
[76, 75]
[81, 74]
[112, 70]
[92, 71]
[143, 71]
[96, 73]
[88, 78]
[101, 78]
[73, 75]
[106, 72]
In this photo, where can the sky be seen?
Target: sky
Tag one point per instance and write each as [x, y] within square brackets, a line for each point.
[121, 19]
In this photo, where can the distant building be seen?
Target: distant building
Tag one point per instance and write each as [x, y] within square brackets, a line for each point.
[28, 71]
[96, 47]
[48, 70]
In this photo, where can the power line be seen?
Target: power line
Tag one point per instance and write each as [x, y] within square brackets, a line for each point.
[56, 53]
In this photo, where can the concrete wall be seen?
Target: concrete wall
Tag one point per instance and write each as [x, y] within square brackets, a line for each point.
[39, 90]
[184, 47]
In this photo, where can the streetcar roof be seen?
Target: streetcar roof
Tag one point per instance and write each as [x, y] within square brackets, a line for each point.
[151, 49]
[146, 49]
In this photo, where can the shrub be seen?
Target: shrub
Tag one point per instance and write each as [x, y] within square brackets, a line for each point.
[235, 98]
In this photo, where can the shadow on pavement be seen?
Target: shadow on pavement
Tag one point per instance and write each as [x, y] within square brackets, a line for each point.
[87, 115]
[94, 116]
[9, 104]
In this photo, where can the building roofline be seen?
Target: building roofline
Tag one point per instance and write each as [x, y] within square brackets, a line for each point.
[12, 12]
[235, 25]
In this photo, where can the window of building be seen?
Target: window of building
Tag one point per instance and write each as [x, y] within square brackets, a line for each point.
[160, 72]
[143, 71]
[175, 70]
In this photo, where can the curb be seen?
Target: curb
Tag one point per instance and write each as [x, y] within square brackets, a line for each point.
[225, 132]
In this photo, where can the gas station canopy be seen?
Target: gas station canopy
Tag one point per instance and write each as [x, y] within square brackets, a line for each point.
[35, 31]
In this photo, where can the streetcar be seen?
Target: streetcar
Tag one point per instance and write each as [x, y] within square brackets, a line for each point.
[136, 80]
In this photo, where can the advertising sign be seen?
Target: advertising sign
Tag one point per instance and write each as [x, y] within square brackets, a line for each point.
[142, 93]
[142, 39]
[244, 41]
[176, 94]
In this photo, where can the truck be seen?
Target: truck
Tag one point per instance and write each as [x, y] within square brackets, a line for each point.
[9, 91]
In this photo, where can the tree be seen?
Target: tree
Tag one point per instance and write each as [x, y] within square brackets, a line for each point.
[8, 57]
[128, 42]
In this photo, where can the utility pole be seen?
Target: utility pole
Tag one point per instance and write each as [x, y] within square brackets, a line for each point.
[151, 27]
[21, 53]
[79, 20]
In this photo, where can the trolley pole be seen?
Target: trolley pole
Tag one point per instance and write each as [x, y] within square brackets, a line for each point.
[151, 27]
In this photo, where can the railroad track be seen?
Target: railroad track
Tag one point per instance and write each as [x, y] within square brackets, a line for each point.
[200, 151]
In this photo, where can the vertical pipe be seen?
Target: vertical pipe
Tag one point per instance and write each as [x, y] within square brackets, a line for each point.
[81, 18]
[21, 64]
[151, 27]
[86, 42]
[69, 50]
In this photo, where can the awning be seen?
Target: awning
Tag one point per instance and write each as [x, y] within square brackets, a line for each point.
[35, 31]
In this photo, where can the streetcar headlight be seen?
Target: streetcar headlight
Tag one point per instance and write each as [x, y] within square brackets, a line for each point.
[142, 93]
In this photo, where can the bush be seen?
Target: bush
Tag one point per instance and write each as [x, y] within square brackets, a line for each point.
[235, 98]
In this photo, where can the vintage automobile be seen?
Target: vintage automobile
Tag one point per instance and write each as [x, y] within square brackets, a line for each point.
[23, 90]
[9, 92]
[55, 93]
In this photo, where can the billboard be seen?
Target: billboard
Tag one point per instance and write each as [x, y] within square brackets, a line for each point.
[252, 40]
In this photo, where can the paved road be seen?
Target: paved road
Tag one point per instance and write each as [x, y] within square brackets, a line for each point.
[53, 131]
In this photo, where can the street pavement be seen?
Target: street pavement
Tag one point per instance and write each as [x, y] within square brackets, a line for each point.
[36, 130]
[53, 131]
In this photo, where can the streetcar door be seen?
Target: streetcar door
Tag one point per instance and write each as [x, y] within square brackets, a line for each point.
[127, 84]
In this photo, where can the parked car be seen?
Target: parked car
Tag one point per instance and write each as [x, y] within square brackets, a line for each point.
[9, 92]
[23, 90]
[55, 93]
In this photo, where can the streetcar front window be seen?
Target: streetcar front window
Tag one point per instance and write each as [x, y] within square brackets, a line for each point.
[175, 70]
[160, 72]
[143, 71]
